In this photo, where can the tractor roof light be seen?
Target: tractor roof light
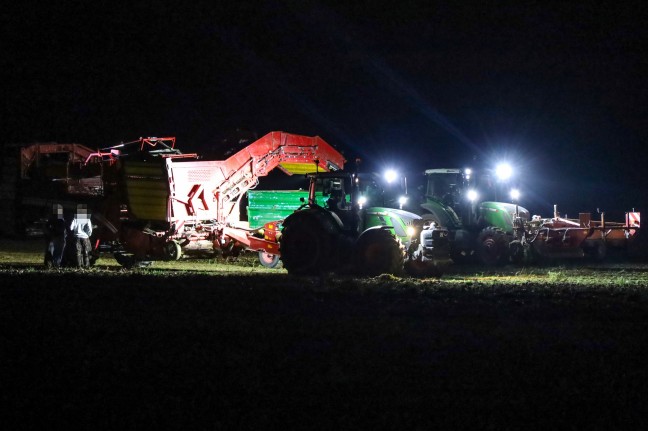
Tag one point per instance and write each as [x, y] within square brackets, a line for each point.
[504, 171]
[390, 175]
[515, 194]
[401, 201]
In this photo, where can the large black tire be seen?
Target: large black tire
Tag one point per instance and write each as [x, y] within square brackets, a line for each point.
[307, 244]
[378, 251]
[492, 246]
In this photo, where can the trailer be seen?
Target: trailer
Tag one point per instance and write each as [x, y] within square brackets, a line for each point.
[150, 201]
[266, 211]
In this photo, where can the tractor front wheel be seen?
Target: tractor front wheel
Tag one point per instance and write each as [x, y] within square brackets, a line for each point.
[378, 251]
[492, 246]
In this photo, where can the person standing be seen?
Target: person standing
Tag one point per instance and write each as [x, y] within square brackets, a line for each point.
[81, 228]
[55, 236]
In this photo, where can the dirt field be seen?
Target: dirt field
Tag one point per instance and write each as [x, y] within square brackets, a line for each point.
[204, 345]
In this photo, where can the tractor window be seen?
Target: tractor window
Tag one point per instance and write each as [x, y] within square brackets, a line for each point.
[486, 186]
[333, 185]
[372, 192]
[444, 186]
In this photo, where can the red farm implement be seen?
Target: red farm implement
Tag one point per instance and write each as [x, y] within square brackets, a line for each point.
[153, 202]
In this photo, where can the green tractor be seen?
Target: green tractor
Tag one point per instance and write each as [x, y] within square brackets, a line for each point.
[352, 233]
[481, 229]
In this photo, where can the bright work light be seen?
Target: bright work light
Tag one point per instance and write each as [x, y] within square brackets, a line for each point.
[390, 175]
[504, 171]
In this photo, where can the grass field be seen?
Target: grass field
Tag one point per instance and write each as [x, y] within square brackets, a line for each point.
[213, 345]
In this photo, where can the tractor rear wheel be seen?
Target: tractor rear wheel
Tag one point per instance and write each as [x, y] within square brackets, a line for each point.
[492, 246]
[306, 246]
[378, 251]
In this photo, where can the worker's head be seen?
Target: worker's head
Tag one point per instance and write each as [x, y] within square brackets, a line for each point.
[57, 210]
[82, 211]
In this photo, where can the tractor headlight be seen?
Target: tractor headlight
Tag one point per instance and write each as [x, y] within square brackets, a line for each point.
[411, 231]
[362, 200]
[472, 195]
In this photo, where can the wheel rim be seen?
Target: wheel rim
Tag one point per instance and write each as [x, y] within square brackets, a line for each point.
[173, 250]
[490, 250]
[268, 260]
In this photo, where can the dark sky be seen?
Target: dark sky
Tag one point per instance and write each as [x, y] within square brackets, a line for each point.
[558, 88]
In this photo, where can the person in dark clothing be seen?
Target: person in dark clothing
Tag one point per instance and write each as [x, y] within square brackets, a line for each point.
[55, 237]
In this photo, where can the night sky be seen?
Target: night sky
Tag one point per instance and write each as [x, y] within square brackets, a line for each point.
[558, 89]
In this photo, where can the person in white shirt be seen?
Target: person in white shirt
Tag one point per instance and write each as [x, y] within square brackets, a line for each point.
[81, 228]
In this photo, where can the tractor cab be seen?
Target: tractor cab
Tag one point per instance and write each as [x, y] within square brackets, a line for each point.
[445, 197]
[456, 197]
[383, 190]
[454, 186]
[340, 195]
